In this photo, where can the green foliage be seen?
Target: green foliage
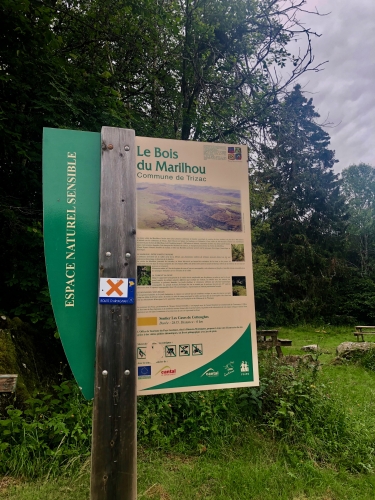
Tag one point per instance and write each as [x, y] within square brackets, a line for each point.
[239, 286]
[365, 359]
[368, 360]
[168, 69]
[238, 252]
[143, 275]
[51, 435]
[30, 354]
[305, 432]
[358, 186]
[266, 272]
[40, 86]
[354, 289]
[302, 228]
[197, 70]
[300, 411]
[188, 420]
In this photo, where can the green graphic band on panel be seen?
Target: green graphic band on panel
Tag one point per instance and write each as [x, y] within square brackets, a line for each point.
[71, 193]
[232, 366]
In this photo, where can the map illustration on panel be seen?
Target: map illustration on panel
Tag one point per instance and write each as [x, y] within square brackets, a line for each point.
[188, 208]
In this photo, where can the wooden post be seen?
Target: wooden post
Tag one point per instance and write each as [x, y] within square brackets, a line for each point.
[114, 448]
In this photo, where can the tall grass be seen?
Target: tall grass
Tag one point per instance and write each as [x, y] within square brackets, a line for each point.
[51, 435]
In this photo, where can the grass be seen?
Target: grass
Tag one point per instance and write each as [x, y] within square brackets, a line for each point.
[255, 469]
[351, 384]
[250, 465]
[327, 338]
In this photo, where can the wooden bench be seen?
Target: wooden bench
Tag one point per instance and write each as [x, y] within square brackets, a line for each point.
[272, 340]
[285, 342]
[8, 383]
[360, 333]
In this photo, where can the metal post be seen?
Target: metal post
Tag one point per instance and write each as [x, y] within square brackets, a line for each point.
[114, 448]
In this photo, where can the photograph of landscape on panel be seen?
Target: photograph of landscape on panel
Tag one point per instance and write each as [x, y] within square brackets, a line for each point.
[188, 207]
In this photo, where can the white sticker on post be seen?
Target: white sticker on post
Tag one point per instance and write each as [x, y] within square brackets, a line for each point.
[116, 291]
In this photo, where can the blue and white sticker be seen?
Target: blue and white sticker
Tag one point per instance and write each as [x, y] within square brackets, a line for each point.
[116, 291]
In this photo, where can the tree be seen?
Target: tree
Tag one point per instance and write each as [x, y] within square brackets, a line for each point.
[357, 289]
[358, 187]
[306, 221]
[38, 87]
[227, 52]
[186, 69]
[25, 54]
[189, 69]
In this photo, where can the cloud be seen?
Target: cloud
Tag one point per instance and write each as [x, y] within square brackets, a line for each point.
[343, 93]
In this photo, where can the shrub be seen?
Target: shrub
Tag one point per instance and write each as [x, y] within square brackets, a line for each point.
[297, 409]
[192, 418]
[53, 431]
[367, 360]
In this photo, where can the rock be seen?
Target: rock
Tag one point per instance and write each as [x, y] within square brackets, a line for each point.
[310, 348]
[296, 360]
[337, 361]
[291, 358]
[349, 349]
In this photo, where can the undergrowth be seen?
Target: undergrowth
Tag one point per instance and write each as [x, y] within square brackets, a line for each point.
[300, 411]
[52, 434]
[366, 359]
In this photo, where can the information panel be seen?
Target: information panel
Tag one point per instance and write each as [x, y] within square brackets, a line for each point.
[196, 318]
[194, 285]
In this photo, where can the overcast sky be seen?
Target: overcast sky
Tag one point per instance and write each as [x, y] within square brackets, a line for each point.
[344, 92]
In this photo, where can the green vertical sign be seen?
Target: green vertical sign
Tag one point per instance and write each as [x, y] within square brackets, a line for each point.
[71, 198]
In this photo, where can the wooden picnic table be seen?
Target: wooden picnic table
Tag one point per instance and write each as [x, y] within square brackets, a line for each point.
[369, 330]
[270, 336]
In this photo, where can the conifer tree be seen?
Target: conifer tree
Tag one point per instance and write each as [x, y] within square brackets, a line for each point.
[306, 220]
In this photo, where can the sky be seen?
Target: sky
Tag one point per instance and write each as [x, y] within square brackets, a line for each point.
[344, 92]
